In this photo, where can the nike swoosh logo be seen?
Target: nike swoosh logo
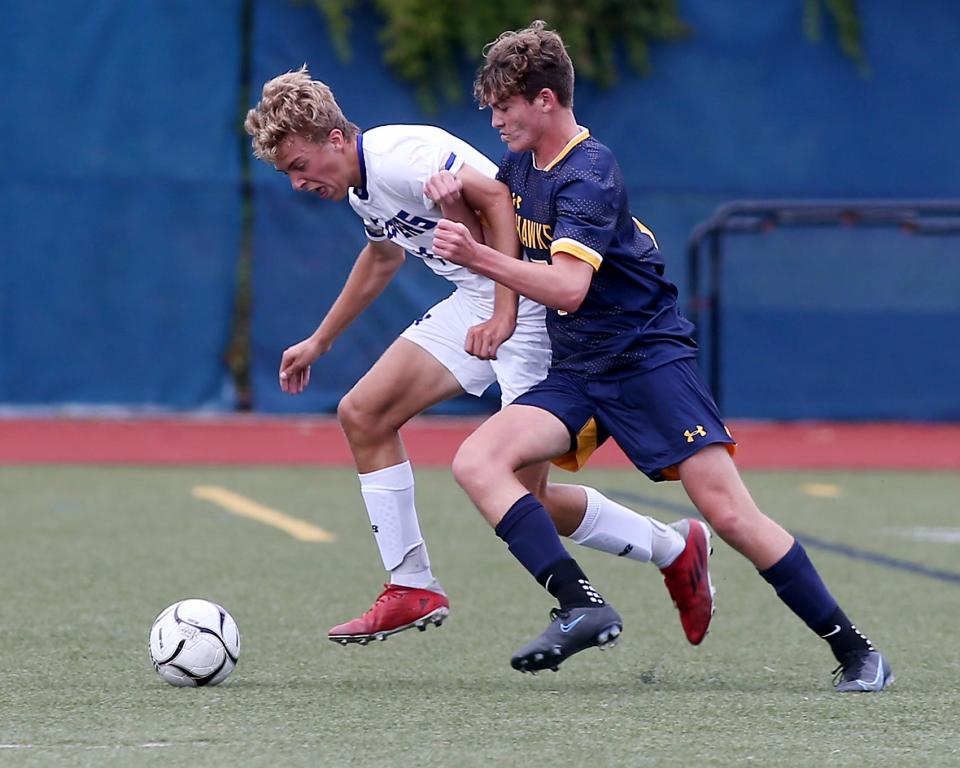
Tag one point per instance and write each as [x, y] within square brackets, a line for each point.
[572, 624]
[831, 633]
[876, 681]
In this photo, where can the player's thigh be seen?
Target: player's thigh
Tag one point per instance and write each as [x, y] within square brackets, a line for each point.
[404, 382]
[661, 417]
[514, 438]
[442, 332]
[714, 485]
[565, 396]
[539, 425]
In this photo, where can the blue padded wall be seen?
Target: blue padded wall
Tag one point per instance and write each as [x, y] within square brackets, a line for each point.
[746, 107]
[120, 201]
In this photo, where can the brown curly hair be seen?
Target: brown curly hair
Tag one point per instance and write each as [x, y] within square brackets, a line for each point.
[524, 62]
[294, 104]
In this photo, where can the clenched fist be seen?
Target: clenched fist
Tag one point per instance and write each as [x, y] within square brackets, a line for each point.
[452, 241]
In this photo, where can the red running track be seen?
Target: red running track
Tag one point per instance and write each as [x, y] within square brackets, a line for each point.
[432, 441]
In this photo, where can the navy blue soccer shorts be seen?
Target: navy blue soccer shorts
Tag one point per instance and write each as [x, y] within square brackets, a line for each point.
[658, 418]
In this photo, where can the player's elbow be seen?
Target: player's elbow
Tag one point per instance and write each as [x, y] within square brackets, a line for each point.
[570, 280]
[567, 307]
[571, 298]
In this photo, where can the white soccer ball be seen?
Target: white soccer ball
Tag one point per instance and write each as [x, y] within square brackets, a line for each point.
[194, 642]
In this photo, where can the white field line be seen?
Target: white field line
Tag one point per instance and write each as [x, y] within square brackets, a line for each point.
[148, 745]
[926, 533]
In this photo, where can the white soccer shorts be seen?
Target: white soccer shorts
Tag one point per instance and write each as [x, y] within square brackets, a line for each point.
[522, 360]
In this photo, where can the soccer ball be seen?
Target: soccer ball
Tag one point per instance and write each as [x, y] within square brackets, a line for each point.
[194, 642]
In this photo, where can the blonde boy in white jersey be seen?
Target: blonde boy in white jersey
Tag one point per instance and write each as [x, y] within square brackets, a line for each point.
[480, 334]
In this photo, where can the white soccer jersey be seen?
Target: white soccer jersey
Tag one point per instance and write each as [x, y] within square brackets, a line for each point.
[395, 163]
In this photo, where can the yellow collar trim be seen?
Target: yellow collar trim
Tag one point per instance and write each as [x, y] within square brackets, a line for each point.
[584, 134]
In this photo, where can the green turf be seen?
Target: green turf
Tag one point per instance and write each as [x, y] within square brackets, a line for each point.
[89, 556]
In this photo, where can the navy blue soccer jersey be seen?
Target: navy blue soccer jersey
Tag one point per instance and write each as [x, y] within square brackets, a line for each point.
[629, 320]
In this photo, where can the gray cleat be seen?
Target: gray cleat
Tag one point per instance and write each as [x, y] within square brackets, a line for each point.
[569, 632]
[863, 672]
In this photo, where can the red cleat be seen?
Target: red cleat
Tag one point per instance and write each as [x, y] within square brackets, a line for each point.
[688, 580]
[398, 608]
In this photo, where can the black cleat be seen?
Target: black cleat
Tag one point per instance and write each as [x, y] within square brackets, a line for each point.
[569, 632]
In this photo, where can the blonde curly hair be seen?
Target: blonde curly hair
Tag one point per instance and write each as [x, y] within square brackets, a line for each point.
[524, 62]
[294, 104]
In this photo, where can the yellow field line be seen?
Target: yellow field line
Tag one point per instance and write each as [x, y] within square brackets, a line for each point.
[241, 505]
[822, 490]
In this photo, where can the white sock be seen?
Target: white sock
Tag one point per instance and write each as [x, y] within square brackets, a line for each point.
[389, 498]
[667, 543]
[611, 527]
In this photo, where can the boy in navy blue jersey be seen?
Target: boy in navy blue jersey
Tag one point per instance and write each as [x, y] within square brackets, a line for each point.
[623, 359]
[477, 335]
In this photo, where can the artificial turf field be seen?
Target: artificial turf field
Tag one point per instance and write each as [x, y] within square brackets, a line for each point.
[90, 555]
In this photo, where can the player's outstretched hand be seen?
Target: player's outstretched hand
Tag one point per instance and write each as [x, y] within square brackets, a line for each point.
[484, 339]
[452, 241]
[443, 188]
[295, 364]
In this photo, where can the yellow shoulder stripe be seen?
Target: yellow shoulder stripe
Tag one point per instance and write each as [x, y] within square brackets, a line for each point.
[579, 250]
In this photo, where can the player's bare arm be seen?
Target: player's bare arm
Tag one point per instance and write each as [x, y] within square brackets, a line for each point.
[375, 267]
[482, 204]
[491, 199]
[446, 190]
[560, 285]
[484, 339]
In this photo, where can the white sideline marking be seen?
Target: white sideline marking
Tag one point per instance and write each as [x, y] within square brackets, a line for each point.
[148, 745]
[241, 505]
[921, 533]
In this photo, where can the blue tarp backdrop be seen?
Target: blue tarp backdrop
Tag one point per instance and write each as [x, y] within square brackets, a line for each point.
[120, 201]
[747, 107]
[826, 323]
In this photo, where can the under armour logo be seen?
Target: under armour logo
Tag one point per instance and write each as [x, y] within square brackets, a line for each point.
[692, 434]
[374, 529]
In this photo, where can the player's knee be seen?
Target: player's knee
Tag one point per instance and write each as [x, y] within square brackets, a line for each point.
[354, 417]
[473, 467]
[729, 520]
[465, 466]
[724, 522]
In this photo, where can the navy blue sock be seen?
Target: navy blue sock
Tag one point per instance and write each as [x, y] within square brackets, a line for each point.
[799, 585]
[532, 538]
